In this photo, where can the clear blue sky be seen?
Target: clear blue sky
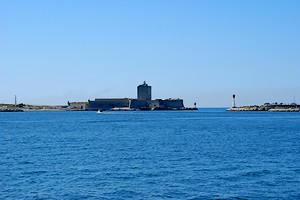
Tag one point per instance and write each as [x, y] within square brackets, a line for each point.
[54, 51]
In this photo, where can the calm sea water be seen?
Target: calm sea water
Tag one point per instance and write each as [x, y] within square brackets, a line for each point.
[207, 154]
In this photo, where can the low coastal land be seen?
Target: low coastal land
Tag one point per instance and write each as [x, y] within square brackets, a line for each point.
[254, 108]
[27, 108]
[24, 107]
[275, 107]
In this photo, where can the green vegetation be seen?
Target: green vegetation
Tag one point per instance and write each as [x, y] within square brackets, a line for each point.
[21, 105]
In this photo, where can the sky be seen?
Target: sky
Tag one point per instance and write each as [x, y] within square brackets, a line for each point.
[202, 51]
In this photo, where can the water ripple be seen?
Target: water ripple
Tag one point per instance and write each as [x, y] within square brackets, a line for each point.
[149, 155]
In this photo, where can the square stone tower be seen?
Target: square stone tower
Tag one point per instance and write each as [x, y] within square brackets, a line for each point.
[144, 92]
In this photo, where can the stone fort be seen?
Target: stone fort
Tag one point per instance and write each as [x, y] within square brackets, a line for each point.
[142, 102]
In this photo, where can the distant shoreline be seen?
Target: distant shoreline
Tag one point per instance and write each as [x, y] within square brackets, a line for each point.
[33, 108]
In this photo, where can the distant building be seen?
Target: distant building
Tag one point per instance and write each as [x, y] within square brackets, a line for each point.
[143, 102]
[144, 92]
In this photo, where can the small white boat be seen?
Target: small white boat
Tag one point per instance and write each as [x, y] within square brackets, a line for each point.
[100, 111]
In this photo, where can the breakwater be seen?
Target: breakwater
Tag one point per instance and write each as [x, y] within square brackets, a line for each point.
[268, 108]
[11, 110]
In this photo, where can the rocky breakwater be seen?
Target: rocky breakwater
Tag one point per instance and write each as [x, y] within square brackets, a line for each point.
[246, 108]
[268, 107]
[2, 109]
[284, 110]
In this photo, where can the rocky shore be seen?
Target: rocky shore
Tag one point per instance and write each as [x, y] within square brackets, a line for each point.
[10, 110]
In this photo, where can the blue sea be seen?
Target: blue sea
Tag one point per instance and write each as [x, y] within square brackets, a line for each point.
[205, 154]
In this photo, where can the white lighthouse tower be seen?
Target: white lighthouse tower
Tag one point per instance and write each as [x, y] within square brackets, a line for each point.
[233, 100]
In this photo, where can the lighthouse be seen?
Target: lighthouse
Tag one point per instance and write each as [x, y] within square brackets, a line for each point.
[233, 101]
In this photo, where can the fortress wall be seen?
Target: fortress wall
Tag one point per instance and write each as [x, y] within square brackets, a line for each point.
[108, 104]
[136, 104]
[77, 105]
[172, 103]
[154, 104]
